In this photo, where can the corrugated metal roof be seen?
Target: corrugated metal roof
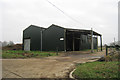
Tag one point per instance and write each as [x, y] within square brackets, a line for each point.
[78, 30]
[69, 29]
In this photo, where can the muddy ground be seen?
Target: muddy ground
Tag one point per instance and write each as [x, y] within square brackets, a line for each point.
[47, 67]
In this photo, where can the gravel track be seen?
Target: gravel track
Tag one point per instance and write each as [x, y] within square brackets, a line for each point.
[48, 67]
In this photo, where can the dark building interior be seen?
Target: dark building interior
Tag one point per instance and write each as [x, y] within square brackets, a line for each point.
[77, 40]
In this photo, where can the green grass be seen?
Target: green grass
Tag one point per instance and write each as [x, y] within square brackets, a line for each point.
[25, 54]
[97, 70]
[9, 55]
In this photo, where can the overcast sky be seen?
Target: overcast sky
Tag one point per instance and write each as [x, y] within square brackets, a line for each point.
[101, 15]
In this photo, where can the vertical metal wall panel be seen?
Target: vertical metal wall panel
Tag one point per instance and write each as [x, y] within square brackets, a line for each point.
[51, 39]
[85, 42]
[95, 42]
[34, 33]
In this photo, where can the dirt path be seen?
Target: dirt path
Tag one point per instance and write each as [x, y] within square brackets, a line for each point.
[48, 67]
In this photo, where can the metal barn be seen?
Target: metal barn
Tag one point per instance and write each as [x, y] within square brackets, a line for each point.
[32, 38]
[56, 38]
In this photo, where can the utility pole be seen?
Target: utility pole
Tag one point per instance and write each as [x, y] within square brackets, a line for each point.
[97, 43]
[65, 40]
[73, 42]
[101, 42]
[114, 40]
[91, 40]
[41, 40]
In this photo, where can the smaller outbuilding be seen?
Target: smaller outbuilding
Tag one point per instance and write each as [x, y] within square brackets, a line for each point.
[57, 38]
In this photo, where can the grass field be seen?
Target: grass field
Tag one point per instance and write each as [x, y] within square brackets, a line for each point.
[97, 70]
[25, 54]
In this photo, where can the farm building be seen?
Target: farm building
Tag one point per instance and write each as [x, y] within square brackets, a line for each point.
[56, 38]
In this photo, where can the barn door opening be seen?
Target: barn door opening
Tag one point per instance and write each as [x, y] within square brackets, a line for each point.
[27, 44]
[72, 41]
[77, 44]
[69, 42]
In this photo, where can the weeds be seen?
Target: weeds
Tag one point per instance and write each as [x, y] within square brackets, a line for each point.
[25, 54]
[97, 70]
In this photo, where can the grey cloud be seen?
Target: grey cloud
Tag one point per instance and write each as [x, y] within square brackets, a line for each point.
[19, 14]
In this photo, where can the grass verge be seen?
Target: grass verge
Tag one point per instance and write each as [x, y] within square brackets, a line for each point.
[97, 70]
[25, 54]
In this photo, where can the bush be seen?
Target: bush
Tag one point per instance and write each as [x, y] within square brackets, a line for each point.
[108, 58]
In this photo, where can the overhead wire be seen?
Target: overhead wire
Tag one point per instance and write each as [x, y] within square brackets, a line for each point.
[64, 12]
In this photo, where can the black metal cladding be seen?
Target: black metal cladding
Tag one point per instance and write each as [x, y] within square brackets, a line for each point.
[34, 34]
[85, 42]
[95, 42]
[51, 38]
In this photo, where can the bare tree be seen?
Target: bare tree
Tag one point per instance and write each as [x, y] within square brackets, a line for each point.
[112, 44]
[115, 43]
[10, 43]
[0, 44]
[119, 43]
[5, 43]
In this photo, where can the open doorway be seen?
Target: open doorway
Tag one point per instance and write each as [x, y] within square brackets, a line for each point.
[27, 44]
[69, 42]
[72, 41]
[77, 44]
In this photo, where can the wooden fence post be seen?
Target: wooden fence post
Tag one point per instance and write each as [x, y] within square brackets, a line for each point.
[106, 50]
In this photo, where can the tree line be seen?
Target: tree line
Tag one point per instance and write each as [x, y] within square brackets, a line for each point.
[5, 43]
